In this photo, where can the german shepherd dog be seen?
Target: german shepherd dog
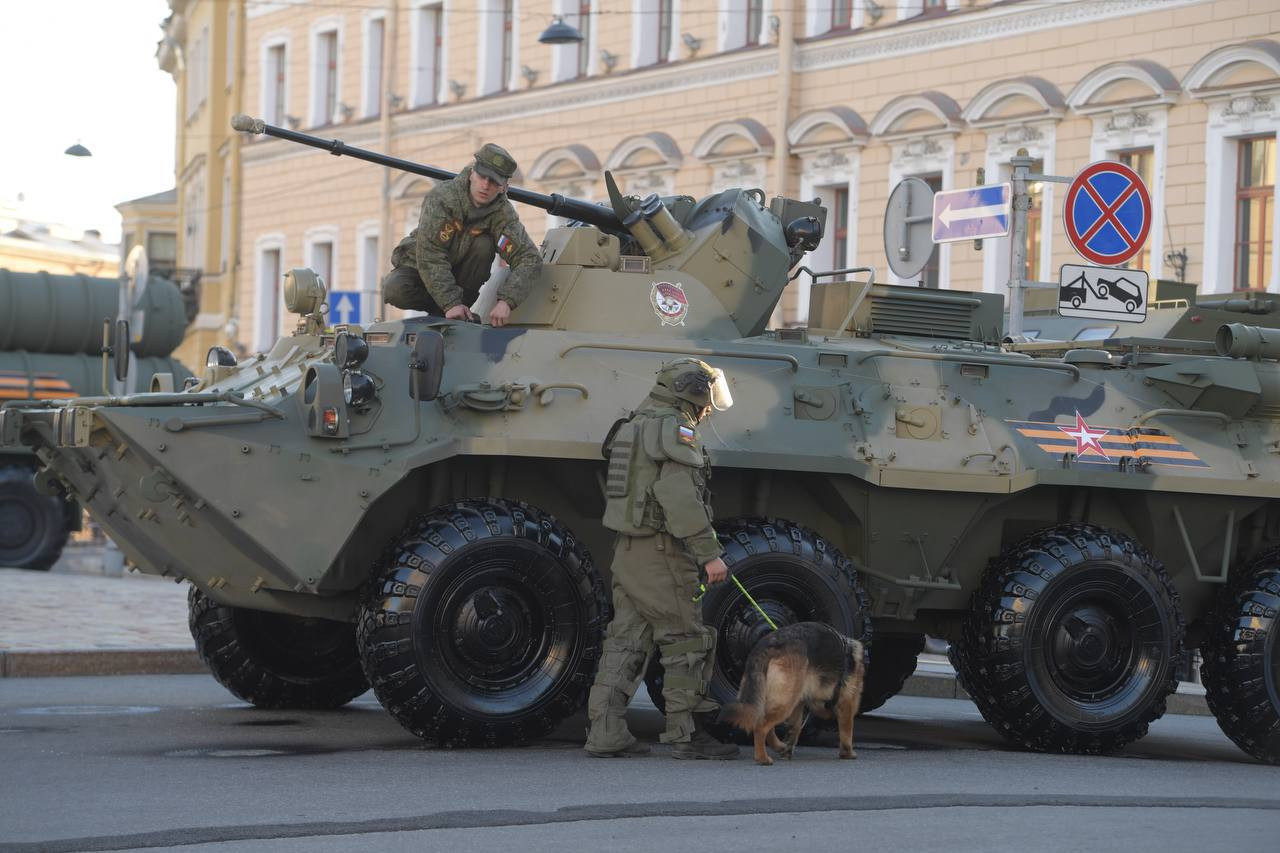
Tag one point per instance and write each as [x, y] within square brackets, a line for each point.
[805, 665]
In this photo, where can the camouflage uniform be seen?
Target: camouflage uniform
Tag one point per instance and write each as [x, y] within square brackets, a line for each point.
[658, 503]
[446, 259]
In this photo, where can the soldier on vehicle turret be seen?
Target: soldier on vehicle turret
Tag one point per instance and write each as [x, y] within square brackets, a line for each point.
[659, 505]
[440, 267]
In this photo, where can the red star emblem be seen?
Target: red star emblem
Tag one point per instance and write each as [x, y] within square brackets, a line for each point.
[1087, 440]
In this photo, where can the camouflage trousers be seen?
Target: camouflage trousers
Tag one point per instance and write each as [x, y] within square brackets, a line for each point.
[654, 582]
[403, 286]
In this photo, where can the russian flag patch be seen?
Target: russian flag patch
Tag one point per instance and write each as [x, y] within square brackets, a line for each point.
[505, 245]
[686, 435]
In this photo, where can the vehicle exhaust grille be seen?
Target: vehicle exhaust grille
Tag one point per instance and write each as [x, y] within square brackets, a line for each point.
[1268, 410]
[933, 315]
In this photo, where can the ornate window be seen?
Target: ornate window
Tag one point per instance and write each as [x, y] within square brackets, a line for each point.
[1129, 105]
[646, 164]
[921, 131]
[427, 54]
[829, 146]
[1240, 85]
[268, 252]
[827, 16]
[652, 36]
[742, 23]
[1255, 211]
[570, 170]
[737, 152]
[1020, 113]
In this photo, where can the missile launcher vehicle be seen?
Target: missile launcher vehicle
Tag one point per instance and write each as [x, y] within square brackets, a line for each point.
[415, 505]
[51, 348]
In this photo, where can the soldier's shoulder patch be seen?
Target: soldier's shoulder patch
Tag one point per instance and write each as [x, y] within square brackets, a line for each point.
[686, 435]
[506, 245]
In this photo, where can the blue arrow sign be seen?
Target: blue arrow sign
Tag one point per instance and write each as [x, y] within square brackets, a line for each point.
[344, 307]
[971, 214]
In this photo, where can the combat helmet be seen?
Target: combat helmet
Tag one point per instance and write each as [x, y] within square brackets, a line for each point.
[695, 382]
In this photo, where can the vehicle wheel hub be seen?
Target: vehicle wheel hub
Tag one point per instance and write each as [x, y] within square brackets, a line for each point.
[492, 629]
[1089, 649]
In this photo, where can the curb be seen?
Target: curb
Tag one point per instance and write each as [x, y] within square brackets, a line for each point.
[935, 682]
[1188, 699]
[40, 664]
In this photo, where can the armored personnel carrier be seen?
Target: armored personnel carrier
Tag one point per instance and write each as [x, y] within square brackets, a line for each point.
[51, 348]
[415, 504]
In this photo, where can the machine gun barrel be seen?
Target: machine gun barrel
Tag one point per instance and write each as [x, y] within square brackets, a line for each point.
[555, 204]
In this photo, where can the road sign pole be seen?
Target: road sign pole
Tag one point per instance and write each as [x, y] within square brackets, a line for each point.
[1018, 239]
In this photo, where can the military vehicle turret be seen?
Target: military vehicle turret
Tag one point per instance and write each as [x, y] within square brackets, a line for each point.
[51, 348]
[415, 504]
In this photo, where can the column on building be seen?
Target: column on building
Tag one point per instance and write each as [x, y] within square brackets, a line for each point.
[921, 130]
[828, 143]
[1021, 113]
[1240, 86]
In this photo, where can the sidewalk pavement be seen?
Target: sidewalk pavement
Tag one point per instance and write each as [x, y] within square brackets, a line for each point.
[76, 620]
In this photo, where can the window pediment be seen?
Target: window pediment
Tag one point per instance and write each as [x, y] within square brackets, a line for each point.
[566, 163]
[1139, 82]
[744, 137]
[1250, 66]
[646, 151]
[829, 128]
[1020, 99]
[918, 115]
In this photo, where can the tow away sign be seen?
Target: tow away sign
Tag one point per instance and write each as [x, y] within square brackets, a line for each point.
[971, 214]
[1103, 293]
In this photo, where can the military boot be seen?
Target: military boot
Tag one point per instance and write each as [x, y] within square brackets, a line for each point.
[703, 745]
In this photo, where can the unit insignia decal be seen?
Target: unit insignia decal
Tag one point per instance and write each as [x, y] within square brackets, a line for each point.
[669, 302]
[1107, 445]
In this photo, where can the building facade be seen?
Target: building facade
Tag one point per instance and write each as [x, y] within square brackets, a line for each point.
[203, 49]
[816, 99]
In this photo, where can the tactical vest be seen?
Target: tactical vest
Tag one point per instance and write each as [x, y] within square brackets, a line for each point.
[634, 496]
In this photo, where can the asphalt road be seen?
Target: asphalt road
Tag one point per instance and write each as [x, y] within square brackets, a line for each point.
[159, 762]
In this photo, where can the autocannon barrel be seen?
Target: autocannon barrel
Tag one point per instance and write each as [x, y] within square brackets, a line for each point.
[1240, 340]
[555, 204]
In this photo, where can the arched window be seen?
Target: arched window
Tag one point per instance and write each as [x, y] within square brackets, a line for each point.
[1020, 113]
[1240, 84]
[645, 164]
[921, 132]
[737, 152]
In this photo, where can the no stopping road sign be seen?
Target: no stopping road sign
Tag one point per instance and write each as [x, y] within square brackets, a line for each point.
[1107, 213]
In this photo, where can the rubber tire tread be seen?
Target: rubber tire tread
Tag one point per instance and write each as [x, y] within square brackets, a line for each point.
[893, 660]
[384, 633]
[991, 669]
[1234, 651]
[17, 481]
[746, 537]
[233, 663]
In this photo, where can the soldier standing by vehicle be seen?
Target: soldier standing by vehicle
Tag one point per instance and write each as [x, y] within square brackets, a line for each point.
[440, 267]
[658, 503]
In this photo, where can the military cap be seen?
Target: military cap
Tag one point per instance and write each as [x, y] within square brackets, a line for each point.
[495, 163]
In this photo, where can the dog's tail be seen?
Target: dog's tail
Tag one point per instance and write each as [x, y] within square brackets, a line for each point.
[747, 712]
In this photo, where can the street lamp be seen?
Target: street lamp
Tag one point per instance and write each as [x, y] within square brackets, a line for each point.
[78, 150]
[560, 33]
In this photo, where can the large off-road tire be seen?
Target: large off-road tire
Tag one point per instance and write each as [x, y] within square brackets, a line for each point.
[893, 660]
[486, 625]
[33, 527]
[1241, 669]
[273, 660]
[1073, 641]
[794, 575]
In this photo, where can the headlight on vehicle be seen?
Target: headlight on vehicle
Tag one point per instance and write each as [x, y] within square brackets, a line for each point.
[220, 357]
[357, 388]
[349, 351]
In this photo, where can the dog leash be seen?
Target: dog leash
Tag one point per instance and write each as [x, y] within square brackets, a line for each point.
[702, 590]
